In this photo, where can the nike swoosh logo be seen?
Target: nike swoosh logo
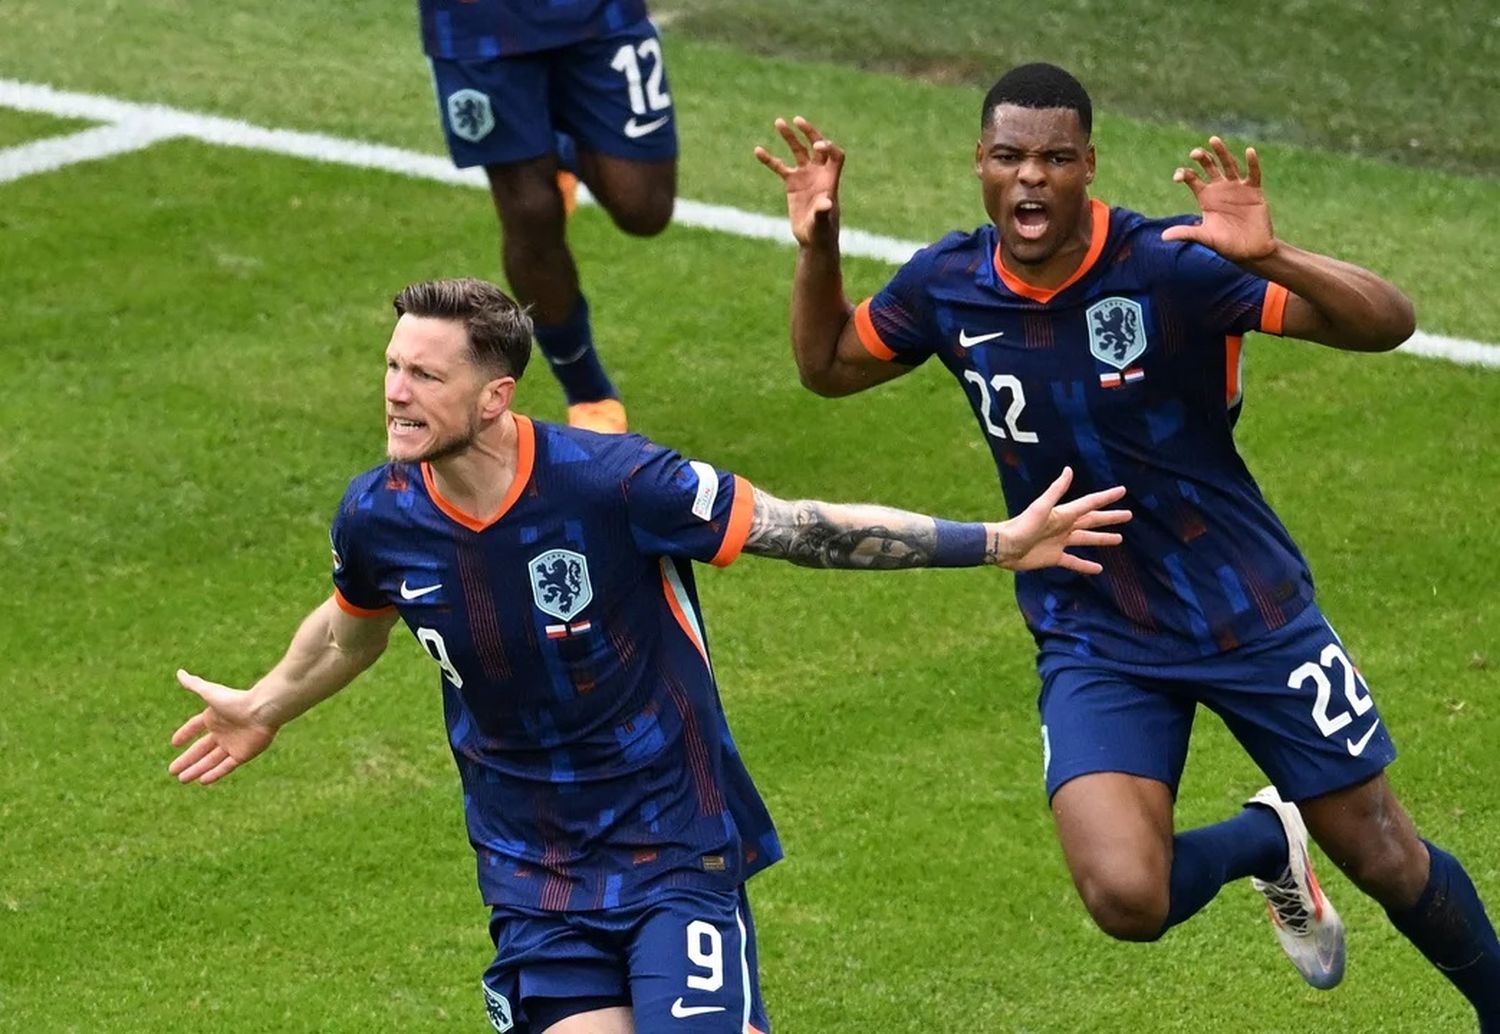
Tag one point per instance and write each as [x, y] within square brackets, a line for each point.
[1358, 748]
[416, 594]
[682, 1012]
[635, 130]
[968, 341]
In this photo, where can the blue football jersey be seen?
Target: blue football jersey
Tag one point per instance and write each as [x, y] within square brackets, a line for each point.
[580, 700]
[1130, 373]
[475, 30]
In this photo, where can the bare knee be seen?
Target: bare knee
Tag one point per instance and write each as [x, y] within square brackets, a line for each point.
[1129, 902]
[1391, 868]
[645, 215]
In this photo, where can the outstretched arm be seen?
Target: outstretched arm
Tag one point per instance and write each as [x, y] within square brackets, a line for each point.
[818, 534]
[825, 343]
[329, 649]
[1331, 302]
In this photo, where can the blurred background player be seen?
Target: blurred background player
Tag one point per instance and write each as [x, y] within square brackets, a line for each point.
[1096, 337]
[538, 92]
[547, 570]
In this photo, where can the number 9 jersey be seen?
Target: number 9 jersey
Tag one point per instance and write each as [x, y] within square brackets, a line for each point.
[581, 704]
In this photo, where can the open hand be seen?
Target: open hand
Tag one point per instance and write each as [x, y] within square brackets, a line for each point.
[1236, 219]
[228, 733]
[812, 184]
[1038, 536]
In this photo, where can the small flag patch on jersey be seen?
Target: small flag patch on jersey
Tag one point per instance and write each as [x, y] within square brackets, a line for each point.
[563, 631]
[714, 863]
[1114, 380]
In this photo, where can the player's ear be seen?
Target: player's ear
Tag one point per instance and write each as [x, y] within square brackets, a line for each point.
[1088, 158]
[979, 157]
[497, 398]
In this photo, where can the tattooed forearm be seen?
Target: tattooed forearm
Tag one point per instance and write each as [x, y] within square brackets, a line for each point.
[815, 534]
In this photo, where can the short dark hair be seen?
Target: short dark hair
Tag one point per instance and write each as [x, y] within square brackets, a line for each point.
[1039, 85]
[498, 327]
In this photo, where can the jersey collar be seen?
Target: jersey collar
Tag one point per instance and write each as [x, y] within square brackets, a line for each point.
[525, 460]
[1042, 295]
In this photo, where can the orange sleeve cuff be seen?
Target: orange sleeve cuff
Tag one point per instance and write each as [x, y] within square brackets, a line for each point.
[868, 335]
[738, 531]
[1273, 310]
[357, 611]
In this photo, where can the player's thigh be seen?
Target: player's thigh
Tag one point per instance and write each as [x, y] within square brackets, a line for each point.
[692, 967]
[639, 195]
[1096, 720]
[1301, 709]
[614, 1020]
[548, 968]
[611, 95]
[495, 111]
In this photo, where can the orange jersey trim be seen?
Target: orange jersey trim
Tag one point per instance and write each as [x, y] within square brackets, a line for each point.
[357, 611]
[1273, 309]
[740, 512]
[1043, 295]
[677, 612]
[1232, 346]
[868, 335]
[525, 460]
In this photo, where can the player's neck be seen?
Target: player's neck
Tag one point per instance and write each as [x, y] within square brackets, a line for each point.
[478, 479]
[1061, 264]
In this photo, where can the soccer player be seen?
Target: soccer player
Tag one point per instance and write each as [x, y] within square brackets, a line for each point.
[547, 571]
[541, 93]
[1093, 336]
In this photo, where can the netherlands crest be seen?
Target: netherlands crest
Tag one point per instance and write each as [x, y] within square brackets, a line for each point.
[1117, 331]
[560, 583]
[470, 115]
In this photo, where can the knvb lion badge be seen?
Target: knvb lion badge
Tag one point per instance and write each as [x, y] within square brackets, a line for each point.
[1117, 338]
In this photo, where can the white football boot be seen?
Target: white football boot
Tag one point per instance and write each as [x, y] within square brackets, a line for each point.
[1306, 923]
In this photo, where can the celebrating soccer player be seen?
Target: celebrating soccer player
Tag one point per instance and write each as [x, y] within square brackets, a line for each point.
[542, 94]
[547, 571]
[1095, 337]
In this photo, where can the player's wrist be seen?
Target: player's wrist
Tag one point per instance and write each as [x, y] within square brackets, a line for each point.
[961, 544]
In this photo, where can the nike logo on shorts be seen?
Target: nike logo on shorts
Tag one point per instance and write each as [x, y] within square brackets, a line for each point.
[635, 130]
[682, 1012]
[1357, 747]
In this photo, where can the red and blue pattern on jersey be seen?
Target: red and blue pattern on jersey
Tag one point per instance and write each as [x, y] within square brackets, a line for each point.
[583, 713]
[1130, 373]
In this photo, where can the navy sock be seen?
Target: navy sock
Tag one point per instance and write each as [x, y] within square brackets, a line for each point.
[567, 152]
[1449, 926]
[569, 348]
[1203, 860]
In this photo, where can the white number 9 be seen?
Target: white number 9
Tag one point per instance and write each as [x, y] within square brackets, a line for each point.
[710, 958]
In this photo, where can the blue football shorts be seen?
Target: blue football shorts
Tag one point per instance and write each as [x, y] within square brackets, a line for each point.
[608, 93]
[685, 963]
[1294, 699]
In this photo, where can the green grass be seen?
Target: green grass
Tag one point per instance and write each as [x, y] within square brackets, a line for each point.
[1417, 83]
[192, 346]
[20, 127]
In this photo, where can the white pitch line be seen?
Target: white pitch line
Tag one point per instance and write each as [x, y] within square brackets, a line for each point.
[55, 152]
[172, 122]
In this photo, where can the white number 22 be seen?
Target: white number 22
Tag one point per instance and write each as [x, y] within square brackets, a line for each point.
[1001, 382]
[1354, 689]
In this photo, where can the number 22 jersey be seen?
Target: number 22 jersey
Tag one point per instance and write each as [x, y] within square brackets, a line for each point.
[1130, 373]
